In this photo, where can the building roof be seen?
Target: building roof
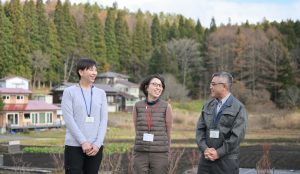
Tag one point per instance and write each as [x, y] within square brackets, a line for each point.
[106, 88]
[126, 95]
[10, 77]
[62, 86]
[113, 74]
[14, 91]
[33, 105]
[127, 83]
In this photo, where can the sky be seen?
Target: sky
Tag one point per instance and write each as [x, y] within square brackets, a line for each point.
[235, 11]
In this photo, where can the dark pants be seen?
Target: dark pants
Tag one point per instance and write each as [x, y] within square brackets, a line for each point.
[220, 166]
[150, 163]
[77, 162]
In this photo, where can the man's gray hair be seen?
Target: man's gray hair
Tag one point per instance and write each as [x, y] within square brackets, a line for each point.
[225, 75]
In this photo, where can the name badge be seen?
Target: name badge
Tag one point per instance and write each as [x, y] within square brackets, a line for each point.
[214, 133]
[89, 119]
[148, 137]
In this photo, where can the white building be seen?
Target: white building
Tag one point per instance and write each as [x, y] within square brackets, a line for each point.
[14, 82]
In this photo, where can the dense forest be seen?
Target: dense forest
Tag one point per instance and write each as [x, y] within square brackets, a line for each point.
[42, 41]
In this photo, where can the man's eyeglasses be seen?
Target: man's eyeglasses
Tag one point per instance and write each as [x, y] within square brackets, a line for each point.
[214, 84]
[156, 85]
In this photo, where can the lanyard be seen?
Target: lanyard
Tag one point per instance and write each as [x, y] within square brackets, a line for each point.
[148, 116]
[88, 113]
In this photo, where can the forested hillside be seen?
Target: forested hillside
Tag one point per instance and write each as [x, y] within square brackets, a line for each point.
[42, 41]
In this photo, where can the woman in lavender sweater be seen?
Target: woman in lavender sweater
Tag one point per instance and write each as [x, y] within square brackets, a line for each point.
[84, 109]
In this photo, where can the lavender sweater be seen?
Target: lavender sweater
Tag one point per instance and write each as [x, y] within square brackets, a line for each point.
[75, 113]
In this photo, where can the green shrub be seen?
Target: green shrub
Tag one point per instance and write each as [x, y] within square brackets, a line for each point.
[116, 148]
[35, 149]
[192, 106]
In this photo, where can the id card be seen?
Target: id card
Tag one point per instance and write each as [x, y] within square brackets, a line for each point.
[148, 137]
[89, 119]
[213, 133]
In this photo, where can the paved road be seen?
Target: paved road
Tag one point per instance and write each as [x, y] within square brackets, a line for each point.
[251, 171]
[10, 137]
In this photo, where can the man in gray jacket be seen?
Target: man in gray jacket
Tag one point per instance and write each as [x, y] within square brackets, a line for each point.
[221, 128]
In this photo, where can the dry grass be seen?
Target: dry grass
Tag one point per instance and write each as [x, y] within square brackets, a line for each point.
[278, 124]
[291, 121]
[277, 119]
[265, 134]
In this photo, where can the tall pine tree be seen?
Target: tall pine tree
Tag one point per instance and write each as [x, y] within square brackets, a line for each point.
[31, 25]
[6, 44]
[156, 35]
[110, 40]
[43, 24]
[20, 56]
[67, 36]
[123, 39]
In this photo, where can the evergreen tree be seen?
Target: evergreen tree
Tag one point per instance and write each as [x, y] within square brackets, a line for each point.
[55, 71]
[173, 32]
[297, 28]
[86, 44]
[6, 44]
[155, 62]
[138, 47]
[67, 36]
[66, 28]
[43, 25]
[200, 31]
[20, 59]
[165, 27]
[147, 38]
[161, 61]
[213, 25]
[31, 25]
[97, 36]
[124, 44]
[189, 27]
[140, 42]
[181, 27]
[110, 40]
[156, 35]
[92, 39]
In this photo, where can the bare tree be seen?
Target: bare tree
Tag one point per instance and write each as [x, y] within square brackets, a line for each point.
[221, 46]
[174, 90]
[69, 66]
[186, 52]
[39, 62]
[252, 50]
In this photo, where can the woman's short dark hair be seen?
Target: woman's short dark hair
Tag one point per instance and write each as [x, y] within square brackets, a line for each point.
[145, 83]
[84, 63]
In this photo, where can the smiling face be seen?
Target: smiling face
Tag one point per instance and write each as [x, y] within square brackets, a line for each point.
[219, 87]
[154, 89]
[88, 75]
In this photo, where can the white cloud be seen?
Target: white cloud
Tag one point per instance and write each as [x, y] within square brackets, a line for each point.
[222, 10]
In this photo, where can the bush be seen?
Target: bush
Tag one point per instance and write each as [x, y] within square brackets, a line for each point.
[192, 106]
[43, 149]
[111, 148]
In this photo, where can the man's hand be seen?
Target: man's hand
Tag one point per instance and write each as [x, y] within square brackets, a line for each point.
[94, 150]
[211, 154]
[86, 147]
